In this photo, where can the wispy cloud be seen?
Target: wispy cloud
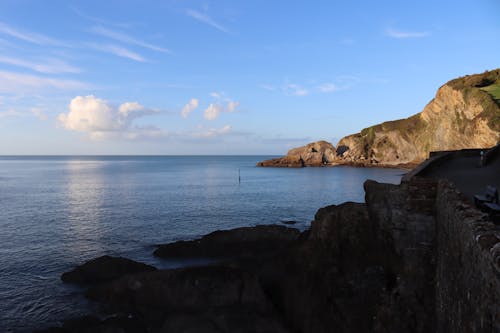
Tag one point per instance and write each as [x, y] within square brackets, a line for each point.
[39, 113]
[98, 19]
[313, 86]
[50, 66]
[124, 38]
[30, 37]
[268, 87]
[212, 132]
[11, 82]
[327, 87]
[10, 113]
[295, 90]
[204, 18]
[118, 51]
[393, 33]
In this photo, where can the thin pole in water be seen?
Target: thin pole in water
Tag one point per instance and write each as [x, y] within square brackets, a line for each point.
[239, 177]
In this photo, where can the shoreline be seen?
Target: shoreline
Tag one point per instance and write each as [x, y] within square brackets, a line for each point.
[376, 260]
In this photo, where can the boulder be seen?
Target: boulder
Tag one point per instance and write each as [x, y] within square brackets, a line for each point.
[104, 269]
[242, 241]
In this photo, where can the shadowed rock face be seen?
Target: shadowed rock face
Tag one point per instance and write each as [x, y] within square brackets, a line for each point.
[232, 243]
[465, 113]
[104, 269]
[197, 299]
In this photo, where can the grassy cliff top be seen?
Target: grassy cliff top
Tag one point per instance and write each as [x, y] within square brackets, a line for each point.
[485, 79]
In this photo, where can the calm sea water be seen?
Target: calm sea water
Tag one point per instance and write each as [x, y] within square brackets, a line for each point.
[57, 212]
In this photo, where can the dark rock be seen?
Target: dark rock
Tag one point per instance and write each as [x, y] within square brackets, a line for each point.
[289, 222]
[104, 269]
[92, 324]
[232, 243]
[181, 290]
[222, 320]
[330, 281]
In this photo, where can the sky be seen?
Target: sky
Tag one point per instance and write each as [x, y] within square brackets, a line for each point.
[225, 77]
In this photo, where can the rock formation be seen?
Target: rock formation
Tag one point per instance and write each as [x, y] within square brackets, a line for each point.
[104, 269]
[232, 243]
[314, 154]
[464, 114]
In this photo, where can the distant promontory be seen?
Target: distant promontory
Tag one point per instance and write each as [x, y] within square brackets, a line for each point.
[465, 113]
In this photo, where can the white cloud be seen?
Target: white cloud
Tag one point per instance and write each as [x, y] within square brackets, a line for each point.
[118, 51]
[51, 66]
[189, 107]
[327, 87]
[17, 83]
[129, 108]
[216, 95]
[30, 37]
[204, 18]
[232, 105]
[121, 37]
[213, 111]
[100, 120]
[393, 33]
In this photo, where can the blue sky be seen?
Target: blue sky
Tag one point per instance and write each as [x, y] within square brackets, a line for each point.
[225, 77]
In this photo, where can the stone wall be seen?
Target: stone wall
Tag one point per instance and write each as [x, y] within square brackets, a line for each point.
[467, 266]
[403, 216]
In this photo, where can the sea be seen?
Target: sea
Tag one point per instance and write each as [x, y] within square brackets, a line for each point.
[57, 212]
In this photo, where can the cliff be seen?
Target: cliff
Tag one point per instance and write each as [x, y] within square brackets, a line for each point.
[465, 113]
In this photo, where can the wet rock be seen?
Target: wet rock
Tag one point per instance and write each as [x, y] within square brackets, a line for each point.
[104, 269]
[232, 243]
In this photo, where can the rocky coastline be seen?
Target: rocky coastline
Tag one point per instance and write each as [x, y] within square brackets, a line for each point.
[381, 266]
[463, 115]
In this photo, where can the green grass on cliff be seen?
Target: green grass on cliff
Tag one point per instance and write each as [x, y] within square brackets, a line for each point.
[494, 91]
[476, 80]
